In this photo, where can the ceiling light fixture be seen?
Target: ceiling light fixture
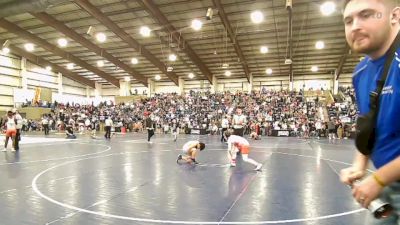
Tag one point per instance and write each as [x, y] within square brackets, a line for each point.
[196, 24]
[191, 75]
[5, 50]
[268, 71]
[209, 14]
[228, 73]
[157, 77]
[29, 47]
[319, 45]
[101, 37]
[172, 57]
[263, 49]
[100, 63]
[62, 42]
[328, 8]
[90, 31]
[257, 17]
[314, 68]
[134, 61]
[145, 31]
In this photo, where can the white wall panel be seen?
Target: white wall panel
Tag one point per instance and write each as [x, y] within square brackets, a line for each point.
[42, 84]
[74, 91]
[165, 87]
[10, 62]
[110, 92]
[8, 80]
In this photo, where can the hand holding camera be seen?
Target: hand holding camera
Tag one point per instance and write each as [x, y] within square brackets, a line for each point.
[366, 191]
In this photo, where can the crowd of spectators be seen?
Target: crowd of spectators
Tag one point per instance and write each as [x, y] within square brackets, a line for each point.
[265, 112]
[343, 114]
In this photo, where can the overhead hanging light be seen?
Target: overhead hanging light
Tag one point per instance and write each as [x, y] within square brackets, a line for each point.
[328, 8]
[5, 50]
[157, 77]
[70, 66]
[134, 61]
[257, 17]
[101, 37]
[319, 45]
[172, 57]
[264, 49]
[62, 42]
[29, 47]
[191, 75]
[100, 63]
[145, 31]
[196, 24]
[314, 68]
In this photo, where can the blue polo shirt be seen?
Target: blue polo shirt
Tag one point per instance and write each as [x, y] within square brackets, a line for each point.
[366, 75]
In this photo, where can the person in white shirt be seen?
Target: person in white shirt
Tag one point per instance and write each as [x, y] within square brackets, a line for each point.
[225, 126]
[239, 144]
[239, 121]
[190, 150]
[45, 124]
[19, 121]
[11, 130]
[108, 124]
[175, 129]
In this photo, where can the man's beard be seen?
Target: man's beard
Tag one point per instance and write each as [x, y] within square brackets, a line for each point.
[366, 49]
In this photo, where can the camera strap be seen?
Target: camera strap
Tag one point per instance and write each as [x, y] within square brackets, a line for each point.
[374, 95]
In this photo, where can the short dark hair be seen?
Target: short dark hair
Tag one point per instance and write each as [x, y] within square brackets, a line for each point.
[202, 146]
[227, 133]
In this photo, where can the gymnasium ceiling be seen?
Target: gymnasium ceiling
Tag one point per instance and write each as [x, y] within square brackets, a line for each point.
[230, 37]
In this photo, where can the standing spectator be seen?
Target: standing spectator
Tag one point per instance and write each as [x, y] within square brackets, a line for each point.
[331, 129]
[175, 129]
[318, 127]
[239, 120]
[108, 124]
[11, 131]
[340, 131]
[372, 28]
[225, 126]
[45, 125]
[19, 121]
[149, 126]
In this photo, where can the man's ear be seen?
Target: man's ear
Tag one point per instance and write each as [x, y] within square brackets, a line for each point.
[395, 16]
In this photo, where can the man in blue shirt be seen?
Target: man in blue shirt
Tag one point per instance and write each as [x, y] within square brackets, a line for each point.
[371, 27]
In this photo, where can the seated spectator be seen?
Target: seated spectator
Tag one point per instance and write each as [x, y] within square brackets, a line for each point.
[69, 131]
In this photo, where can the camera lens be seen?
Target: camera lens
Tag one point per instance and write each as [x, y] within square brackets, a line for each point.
[380, 209]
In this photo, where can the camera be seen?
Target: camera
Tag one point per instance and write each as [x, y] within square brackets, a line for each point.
[380, 209]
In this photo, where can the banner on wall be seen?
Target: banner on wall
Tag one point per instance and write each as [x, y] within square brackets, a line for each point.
[46, 95]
